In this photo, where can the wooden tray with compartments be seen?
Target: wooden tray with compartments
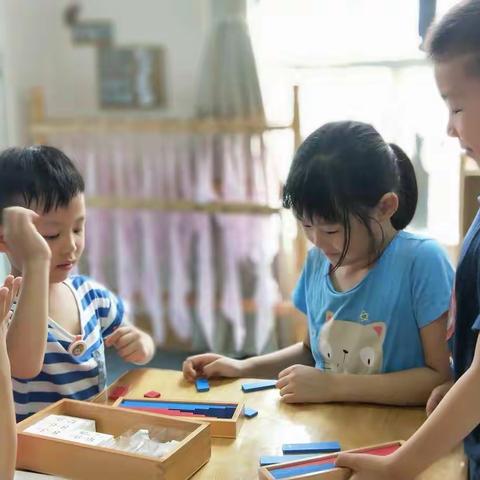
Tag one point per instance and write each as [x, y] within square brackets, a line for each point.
[225, 418]
[78, 461]
[320, 467]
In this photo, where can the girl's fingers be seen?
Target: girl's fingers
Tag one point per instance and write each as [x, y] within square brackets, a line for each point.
[8, 282]
[286, 390]
[188, 371]
[288, 398]
[4, 305]
[285, 371]
[17, 285]
[10, 285]
[282, 382]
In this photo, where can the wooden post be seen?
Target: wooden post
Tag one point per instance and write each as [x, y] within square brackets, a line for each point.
[300, 241]
[296, 118]
[37, 114]
[300, 324]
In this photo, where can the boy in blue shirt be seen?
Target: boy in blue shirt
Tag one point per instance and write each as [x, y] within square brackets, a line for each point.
[454, 46]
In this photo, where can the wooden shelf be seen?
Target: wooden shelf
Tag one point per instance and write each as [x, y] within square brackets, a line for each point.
[131, 203]
[118, 125]
[40, 126]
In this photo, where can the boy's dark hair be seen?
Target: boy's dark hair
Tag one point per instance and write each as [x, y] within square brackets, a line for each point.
[39, 176]
[344, 168]
[457, 34]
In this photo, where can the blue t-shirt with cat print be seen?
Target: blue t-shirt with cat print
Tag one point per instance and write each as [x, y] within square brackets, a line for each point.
[375, 326]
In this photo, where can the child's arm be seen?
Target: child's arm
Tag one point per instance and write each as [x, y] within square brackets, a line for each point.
[27, 334]
[407, 387]
[261, 366]
[132, 344]
[437, 395]
[453, 419]
[8, 435]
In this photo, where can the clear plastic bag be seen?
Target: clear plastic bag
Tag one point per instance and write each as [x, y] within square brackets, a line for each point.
[150, 441]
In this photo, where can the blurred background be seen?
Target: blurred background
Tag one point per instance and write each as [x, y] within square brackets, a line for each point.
[183, 116]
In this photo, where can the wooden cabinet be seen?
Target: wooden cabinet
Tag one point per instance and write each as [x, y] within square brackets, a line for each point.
[469, 193]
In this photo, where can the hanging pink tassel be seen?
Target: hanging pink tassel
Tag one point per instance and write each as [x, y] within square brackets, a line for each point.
[265, 236]
[264, 249]
[256, 161]
[179, 312]
[231, 304]
[153, 245]
[233, 235]
[205, 281]
[126, 227]
[179, 281]
[96, 171]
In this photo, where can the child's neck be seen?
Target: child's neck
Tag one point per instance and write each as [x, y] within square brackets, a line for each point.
[382, 242]
[348, 276]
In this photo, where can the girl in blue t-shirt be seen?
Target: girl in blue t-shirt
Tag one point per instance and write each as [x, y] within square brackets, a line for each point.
[376, 297]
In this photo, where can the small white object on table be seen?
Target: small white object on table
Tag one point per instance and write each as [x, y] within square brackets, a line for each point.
[34, 476]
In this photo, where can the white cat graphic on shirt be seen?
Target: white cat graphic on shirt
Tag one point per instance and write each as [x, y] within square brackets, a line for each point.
[350, 347]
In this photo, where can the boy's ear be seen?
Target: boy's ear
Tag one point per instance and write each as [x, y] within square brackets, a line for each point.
[387, 206]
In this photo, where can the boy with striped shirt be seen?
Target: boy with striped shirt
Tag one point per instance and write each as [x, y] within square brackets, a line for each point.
[61, 322]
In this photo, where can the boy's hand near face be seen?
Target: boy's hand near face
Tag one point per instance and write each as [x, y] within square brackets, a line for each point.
[132, 344]
[22, 238]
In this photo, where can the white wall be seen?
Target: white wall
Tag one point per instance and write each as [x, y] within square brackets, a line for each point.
[38, 51]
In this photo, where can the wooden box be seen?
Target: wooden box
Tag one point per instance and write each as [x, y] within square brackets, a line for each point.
[77, 461]
[219, 427]
[288, 470]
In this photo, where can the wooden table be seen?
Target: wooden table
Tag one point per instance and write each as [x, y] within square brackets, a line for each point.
[237, 459]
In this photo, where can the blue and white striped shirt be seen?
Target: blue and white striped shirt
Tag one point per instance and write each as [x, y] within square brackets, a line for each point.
[64, 375]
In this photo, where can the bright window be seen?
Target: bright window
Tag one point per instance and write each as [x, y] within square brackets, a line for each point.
[360, 59]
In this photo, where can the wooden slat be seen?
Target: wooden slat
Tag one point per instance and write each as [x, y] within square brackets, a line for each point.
[179, 205]
[116, 125]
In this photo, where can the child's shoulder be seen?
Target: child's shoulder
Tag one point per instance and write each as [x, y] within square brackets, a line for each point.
[419, 247]
[86, 283]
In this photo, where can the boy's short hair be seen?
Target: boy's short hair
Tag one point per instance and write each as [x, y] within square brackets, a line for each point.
[40, 176]
[457, 34]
